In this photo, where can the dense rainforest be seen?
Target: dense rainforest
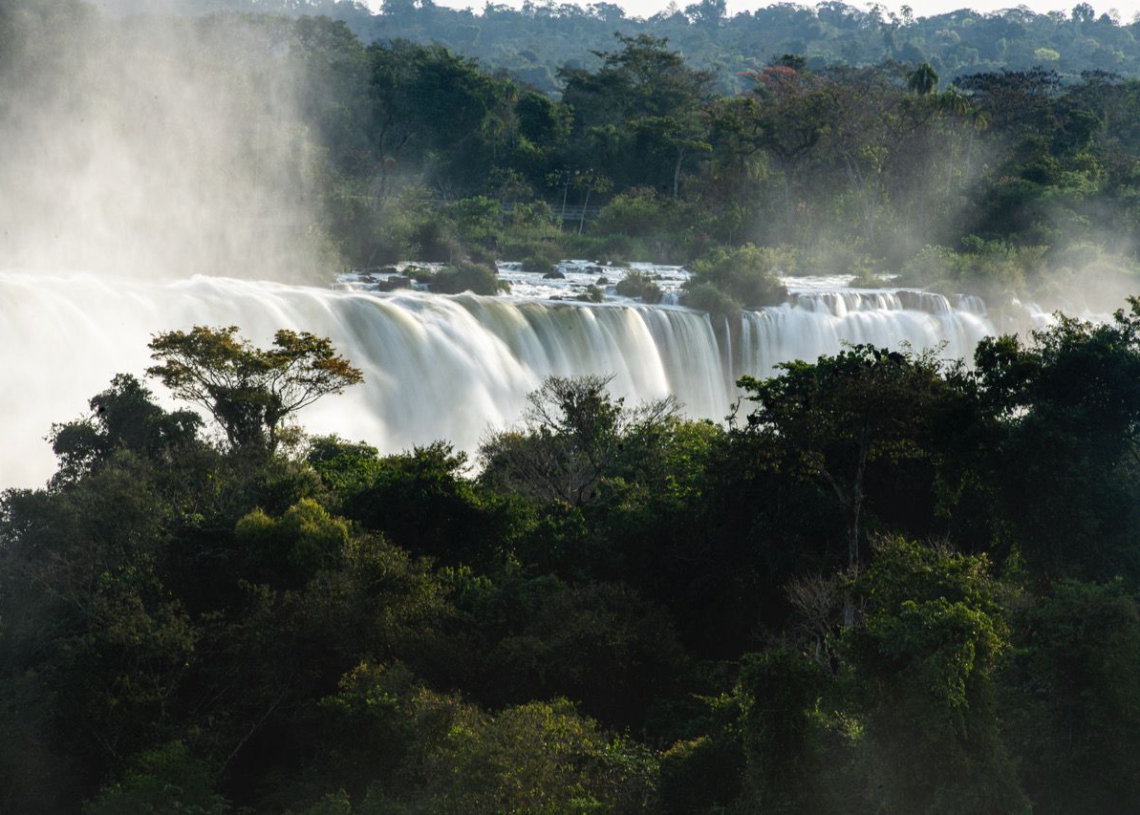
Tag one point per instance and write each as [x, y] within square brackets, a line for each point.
[888, 582]
[536, 40]
[1011, 178]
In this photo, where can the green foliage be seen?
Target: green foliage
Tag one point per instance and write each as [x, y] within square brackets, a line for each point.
[423, 501]
[1072, 695]
[167, 779]
[452, 757]
[248, 391]
[479, 278]
[1071, 405]
[592, 294]
[657, 99]
[614, 249]
[707, 297]
[537, 264]
[538, 757]
[597, 642]
[301, 542]
[337, 803]
[124, 419]
[475, 218]
[345, 468]
[820, 156]
[432, 143]
[834, 419]
[746, 276]
[781, 732]
[640, 285]
[571, 435]
[928, 650]
[639, 212]
[923, 80]
[197, 607]
[700, 775]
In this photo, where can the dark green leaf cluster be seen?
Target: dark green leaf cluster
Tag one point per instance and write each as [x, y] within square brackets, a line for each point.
[479, 278]
[747, 276]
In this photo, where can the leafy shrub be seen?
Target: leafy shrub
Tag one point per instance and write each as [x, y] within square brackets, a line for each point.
[746, 277]
[467, 276]
[592, 294]
[610, 248]
[476, 219]
[639, 284]
[166, 779]
[994, 270]
[532, 215]
[707, 297]
[538, 265]
[638, 212]
[528, 248]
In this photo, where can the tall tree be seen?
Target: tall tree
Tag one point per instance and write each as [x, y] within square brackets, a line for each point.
[835, 418]
[652, 100]
[797, 112]
[250, 392]
[923, 79]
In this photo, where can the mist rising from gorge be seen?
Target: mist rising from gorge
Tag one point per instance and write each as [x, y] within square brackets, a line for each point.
[154, 146]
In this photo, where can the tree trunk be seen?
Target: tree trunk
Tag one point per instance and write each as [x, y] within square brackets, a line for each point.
[789, 212]
[677, 171]
[852, 504]
[969, 151]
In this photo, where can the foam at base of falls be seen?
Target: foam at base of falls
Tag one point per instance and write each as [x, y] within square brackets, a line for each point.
[435, 367]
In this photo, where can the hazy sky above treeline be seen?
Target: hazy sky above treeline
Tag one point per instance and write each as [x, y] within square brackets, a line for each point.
[1124, 10]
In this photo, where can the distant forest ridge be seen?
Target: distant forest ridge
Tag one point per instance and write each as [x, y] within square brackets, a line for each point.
[533, 42]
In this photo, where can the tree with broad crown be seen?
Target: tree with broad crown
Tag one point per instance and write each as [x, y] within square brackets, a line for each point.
[250, 392]
[798, 110]
[834, 418]
[571, 437]
[927, 656]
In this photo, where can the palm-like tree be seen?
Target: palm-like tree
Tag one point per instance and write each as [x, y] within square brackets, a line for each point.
[922, 80]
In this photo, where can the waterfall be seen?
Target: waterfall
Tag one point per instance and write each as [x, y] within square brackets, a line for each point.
[819, 323]
[434, 367]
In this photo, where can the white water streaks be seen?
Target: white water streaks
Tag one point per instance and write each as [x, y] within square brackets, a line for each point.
[435, 367]
[820, 322]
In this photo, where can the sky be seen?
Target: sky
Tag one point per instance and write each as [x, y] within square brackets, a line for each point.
[1124, 10]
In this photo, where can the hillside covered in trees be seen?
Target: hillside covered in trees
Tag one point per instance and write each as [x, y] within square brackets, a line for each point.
[997, 178]
[534, 42]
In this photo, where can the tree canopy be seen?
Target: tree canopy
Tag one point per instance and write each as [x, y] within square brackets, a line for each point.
[623, 610]
[250, 392]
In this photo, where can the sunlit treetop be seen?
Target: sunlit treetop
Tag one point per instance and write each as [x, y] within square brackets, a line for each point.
[250, 392]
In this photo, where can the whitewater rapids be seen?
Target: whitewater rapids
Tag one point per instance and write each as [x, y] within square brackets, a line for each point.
[434, 367]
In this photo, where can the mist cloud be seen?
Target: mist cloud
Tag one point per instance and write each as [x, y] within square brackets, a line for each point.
[156, 146]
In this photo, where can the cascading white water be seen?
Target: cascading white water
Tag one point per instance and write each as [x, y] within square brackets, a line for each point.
[818, 323]
[434, 367]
